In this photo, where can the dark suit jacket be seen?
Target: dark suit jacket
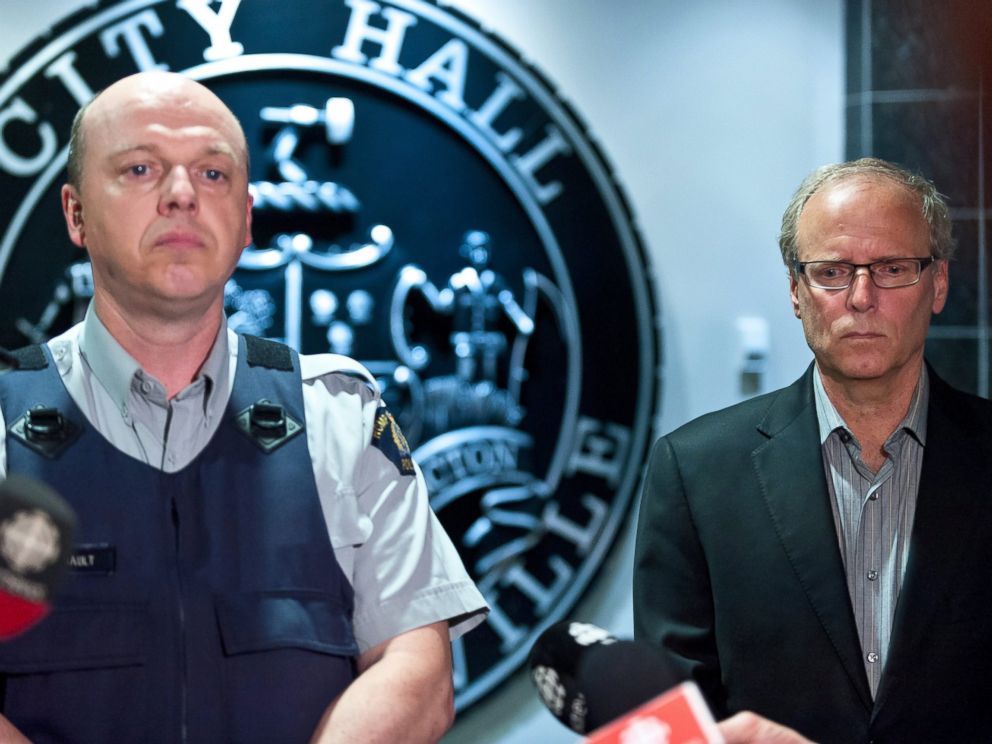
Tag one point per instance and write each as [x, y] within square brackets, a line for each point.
[738, 575]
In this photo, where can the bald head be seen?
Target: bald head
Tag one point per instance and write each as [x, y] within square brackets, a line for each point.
[168, 90]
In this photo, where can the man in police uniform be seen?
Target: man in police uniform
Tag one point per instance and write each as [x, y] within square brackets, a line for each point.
[261, 562]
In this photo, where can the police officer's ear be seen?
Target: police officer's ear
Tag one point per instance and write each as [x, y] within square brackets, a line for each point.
[72, 210]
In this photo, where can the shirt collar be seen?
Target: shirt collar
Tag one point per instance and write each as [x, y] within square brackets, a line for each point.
[115, 369]
[915, 422]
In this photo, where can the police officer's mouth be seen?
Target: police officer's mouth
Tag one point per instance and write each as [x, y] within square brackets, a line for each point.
[179, 239]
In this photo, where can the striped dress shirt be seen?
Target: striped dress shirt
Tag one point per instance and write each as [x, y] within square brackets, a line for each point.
[873, 515]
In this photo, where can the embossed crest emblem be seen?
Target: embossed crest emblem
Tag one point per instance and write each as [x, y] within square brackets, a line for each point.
[424, 203]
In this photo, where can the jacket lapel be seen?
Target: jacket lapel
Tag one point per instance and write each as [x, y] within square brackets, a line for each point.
[953, 481]
[789, 467]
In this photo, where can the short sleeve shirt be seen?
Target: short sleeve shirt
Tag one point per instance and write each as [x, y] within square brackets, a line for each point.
[403, 568]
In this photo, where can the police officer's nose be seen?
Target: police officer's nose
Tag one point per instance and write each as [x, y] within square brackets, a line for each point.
[178, 192]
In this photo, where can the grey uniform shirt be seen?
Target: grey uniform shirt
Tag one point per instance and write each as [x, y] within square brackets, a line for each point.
[873, 515]
[403, 567]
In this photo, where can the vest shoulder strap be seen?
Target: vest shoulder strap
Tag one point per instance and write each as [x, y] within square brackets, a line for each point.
[261, 352]
[30, 357]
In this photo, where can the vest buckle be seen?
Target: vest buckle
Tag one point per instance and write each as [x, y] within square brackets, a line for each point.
[267, 420]
[45, 430]
[267, 424]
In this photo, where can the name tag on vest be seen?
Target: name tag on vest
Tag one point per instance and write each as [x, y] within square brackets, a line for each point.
[93, 559]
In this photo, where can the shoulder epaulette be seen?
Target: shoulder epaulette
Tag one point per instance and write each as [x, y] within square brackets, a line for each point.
[30, 357]
[269, 354]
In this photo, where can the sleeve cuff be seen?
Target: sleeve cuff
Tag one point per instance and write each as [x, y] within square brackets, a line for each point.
[460, 603]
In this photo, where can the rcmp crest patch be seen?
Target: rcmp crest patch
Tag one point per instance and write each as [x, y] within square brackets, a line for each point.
[389, 440]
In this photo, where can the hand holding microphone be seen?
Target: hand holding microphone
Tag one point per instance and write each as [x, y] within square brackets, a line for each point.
[625, 691]
[750, 728]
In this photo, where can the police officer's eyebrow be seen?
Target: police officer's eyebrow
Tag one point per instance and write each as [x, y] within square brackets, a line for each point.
[222, 149]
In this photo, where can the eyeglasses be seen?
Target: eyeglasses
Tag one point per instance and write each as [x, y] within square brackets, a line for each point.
[888, 274]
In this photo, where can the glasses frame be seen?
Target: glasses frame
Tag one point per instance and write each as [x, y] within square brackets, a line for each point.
[799, 267]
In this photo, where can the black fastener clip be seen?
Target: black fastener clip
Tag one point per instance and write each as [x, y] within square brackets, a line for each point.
[45, 430]
[267, 424]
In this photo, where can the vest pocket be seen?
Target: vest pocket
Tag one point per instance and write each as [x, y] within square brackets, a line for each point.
[264, 621]
[73, 638]
[287, 655]
[77, 661]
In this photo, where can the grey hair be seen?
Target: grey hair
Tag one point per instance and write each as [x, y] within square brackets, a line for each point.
[933, 205]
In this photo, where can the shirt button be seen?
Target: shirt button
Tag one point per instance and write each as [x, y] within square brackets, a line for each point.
[845, 437]
[873, 497]
[872, 657]
[872, 575]
[146, 387]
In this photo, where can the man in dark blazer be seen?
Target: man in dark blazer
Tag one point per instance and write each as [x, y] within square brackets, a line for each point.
[821, 555]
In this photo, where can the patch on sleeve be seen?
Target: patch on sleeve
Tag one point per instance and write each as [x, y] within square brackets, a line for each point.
[389, 440]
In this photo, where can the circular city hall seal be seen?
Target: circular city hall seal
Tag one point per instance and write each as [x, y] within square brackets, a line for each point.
[425, 203]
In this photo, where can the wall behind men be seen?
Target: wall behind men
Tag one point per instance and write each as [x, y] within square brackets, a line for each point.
[711, 113]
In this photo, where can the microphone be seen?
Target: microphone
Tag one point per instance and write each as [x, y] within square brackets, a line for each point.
[587, 678]
[36, 529]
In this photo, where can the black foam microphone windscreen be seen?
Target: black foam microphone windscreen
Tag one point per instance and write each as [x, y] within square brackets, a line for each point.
[587, 678]
[36, 529]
